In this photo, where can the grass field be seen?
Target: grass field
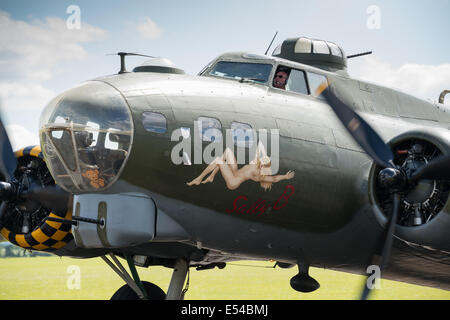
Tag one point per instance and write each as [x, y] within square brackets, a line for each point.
[51, 278]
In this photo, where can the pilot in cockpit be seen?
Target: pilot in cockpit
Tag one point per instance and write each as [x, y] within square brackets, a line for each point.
[280, 79]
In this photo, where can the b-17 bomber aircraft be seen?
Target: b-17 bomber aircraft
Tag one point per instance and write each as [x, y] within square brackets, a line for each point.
[282, 157]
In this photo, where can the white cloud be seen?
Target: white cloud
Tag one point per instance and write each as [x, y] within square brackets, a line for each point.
[33, 49]
[423, 81]
[149, 29]
[32, 52]
[21, 96]
[21, 137]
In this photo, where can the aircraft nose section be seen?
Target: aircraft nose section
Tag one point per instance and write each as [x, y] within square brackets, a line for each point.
[86, 136]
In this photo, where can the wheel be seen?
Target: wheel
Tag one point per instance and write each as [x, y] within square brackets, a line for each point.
[126, 293]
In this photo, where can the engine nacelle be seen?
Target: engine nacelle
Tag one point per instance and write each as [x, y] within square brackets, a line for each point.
[424, 213]
[24, 223]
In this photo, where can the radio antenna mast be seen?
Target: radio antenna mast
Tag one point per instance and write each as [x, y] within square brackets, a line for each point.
[271, 43]
[122, 59]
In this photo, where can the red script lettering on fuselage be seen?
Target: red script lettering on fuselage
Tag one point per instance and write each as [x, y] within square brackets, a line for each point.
[241, 203]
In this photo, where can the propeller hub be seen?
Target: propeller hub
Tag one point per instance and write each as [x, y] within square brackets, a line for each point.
[392, 179]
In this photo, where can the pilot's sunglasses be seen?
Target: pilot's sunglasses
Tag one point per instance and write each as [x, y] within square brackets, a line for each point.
[280, 76]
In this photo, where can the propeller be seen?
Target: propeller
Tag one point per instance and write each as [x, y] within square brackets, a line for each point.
[437, 169]
[8, 161]
[391, 177]
[50, 197]
[361, 131]
[8, 164]
[382, 252]
[29, 193]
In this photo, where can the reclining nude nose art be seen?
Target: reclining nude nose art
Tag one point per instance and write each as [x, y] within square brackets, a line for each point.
[258, 170]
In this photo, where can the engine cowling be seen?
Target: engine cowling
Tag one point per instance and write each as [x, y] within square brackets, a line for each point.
[23, 222]
[424, 213]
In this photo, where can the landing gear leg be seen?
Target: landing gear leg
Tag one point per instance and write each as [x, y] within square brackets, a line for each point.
[134, 289]
[180, 271]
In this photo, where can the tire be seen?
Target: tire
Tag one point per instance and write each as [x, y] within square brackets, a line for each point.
[126, 293]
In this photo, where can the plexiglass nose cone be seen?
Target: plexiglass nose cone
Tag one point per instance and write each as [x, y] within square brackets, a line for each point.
[86, 136]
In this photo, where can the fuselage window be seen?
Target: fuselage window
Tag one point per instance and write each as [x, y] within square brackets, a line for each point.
[243, 135]
[154, 122]
[209, 129]
[315, 80]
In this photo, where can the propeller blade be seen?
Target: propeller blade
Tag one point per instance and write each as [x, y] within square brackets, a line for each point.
[437, 169]
[2, 210]
[359, 129]
[51, 197]
[383, 248]
[8, 161]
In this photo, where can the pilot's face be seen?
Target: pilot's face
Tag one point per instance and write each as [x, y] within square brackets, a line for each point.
[280, 80]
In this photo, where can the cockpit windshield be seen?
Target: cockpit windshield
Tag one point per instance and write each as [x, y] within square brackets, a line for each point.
[242, 71]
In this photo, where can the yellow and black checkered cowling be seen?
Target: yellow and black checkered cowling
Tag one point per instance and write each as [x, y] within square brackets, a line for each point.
[49, 235]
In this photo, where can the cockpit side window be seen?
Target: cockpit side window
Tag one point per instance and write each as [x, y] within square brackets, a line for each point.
[290, 80]
[297, 82]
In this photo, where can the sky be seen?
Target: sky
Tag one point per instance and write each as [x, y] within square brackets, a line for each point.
[47, 47]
